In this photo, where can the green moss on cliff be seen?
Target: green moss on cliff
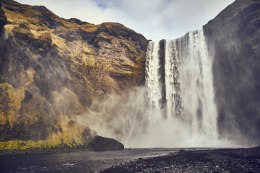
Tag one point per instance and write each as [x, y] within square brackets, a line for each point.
[23, 145]
[66, 133]
[14, 97]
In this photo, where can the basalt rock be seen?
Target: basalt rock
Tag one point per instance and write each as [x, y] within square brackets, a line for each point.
[234, 42]
[99, 143]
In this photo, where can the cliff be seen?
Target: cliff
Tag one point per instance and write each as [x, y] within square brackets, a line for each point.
[234, 42]
[52, 69]
[3, 19]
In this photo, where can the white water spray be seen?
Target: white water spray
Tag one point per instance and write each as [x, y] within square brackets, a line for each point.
[153, 75]
[188, 83]
[175, 109]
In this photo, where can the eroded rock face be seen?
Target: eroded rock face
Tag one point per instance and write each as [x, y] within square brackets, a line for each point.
[234, 39]
[52, 67]
[3, 19]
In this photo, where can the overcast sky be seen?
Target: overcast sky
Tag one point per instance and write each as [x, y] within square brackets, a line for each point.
[155, 19]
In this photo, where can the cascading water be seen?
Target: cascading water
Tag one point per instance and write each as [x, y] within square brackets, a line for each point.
[153, 75]
[175, 109]
[188, 83]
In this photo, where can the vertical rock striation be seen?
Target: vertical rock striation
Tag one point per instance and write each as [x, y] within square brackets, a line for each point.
[234, 42]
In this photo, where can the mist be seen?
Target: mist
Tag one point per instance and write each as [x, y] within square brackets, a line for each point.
[140, 119]
[128, 119]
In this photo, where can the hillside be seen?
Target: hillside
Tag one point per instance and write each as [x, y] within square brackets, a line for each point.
[52, 69]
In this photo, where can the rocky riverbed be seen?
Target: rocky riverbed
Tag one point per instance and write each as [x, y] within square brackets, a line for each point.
[135, 160]
[202, 160]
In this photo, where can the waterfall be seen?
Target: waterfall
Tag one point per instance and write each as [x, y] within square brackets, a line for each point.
[153, 75]
[188, 83]
[176, 108]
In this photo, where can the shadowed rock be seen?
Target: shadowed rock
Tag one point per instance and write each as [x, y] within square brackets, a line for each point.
[100, 143]
[234, 42]
[3, 19]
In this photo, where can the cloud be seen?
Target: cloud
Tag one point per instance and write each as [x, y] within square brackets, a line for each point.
[155, 19]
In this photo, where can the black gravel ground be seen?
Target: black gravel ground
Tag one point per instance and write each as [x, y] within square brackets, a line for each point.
[219, 160]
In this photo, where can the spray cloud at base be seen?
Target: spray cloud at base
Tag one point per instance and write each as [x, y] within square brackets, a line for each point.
[176, 108]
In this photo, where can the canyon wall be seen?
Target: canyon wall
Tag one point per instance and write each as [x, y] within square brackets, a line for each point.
[234, 42]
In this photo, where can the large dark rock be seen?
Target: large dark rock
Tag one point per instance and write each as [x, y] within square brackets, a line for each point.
[234, 42]
[99, 143]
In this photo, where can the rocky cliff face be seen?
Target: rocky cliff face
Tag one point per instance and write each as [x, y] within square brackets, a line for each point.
[52, 69]
[3, 19]
[234, 40]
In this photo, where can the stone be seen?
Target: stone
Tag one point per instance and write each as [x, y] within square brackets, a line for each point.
[234, 42]
[3, 19]
[99, 143]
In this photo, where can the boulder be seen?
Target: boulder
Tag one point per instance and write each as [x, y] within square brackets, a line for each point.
[99, 143]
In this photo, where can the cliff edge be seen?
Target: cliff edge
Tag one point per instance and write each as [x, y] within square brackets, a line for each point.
[234, 42]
